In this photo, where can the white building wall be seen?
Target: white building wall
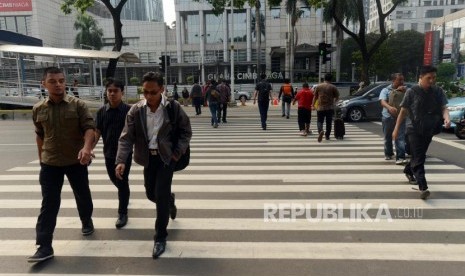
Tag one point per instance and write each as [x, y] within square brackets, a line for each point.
[414, 14]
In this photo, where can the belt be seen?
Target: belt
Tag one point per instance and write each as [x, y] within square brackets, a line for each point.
[153, 151]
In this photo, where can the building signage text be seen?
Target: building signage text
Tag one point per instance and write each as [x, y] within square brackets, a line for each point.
[15, 5]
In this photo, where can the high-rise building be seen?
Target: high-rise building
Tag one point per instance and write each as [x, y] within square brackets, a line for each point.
[142, 10]
[414, 15]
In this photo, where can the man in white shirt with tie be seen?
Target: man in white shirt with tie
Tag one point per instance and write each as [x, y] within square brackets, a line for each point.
[148, 128]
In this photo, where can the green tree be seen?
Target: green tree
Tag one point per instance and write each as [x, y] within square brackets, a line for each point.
[89, 32]
[446, 72]
[294, 15]
[407, 52]
[220, 5]
[344, 11]
[401, 52]
[82, 5]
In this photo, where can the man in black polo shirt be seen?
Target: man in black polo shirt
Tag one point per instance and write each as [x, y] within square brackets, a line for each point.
[263, 92]
[110, 123]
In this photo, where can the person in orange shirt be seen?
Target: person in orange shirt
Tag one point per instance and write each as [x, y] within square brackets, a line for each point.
[304, 111]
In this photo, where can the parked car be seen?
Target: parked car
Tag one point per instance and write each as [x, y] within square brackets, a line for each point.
[456, 107]
[242, 95]
[363, 104]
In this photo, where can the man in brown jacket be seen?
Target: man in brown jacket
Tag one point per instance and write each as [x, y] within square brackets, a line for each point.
[327, 95]
[148, 128]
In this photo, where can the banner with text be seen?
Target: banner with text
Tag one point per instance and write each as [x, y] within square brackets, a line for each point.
[15, 5]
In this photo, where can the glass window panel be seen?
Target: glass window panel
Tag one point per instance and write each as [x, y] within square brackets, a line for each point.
[214, 28]
[275, 13]
[10, 24]
[192, 29]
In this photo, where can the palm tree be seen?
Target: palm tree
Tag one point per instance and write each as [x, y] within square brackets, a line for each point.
[89, 32]
[115, 12]
[258, 30]
[294, 15]
[349, 12]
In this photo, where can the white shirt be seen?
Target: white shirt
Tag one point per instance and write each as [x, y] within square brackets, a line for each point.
[154, 123]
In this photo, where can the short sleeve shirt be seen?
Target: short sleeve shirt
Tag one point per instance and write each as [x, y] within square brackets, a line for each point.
[263, 89]
[384, 95]
[305, 98]
[61, 126]
[410, 99]
[110, 123]
[326, 93]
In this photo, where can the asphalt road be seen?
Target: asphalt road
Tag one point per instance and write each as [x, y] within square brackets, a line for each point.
[237, 176]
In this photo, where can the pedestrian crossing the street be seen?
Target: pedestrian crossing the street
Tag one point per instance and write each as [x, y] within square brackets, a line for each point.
[253, 202]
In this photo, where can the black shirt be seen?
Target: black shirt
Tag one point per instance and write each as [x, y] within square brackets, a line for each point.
[110, 123]
[263, 89]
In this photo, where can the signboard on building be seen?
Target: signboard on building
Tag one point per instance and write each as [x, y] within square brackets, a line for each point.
[448, 40]
[15, 5]
[430, 52]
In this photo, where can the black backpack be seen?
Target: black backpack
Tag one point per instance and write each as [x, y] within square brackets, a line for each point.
[184, 160]
[427, 122]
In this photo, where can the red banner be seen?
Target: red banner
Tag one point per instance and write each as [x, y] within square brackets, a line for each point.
[15, 5]
[428, 50]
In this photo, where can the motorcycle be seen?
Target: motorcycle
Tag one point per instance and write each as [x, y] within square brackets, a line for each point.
[460, 129]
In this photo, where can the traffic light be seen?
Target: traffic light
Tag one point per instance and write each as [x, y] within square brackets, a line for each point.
[324, 50]
[162, 63]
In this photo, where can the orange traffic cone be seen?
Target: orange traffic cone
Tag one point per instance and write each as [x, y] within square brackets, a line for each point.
[275, 102]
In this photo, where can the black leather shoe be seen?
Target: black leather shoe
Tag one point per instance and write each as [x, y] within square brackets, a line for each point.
[158, 249]
[87, 227]
[43, 253]
[121, 221]
[173, 208]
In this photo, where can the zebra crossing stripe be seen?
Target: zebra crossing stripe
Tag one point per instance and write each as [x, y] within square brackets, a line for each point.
[347, 167]
[256, 204]
[307, 178]
[247, 250]
[253, 224]
[246, 188]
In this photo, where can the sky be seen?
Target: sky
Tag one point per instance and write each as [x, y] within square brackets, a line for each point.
[169, 14]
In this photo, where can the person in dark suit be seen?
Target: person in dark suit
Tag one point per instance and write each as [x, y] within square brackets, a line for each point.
[148, 128]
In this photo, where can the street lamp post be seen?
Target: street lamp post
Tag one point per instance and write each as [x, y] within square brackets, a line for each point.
[353, 71]
[232, 49]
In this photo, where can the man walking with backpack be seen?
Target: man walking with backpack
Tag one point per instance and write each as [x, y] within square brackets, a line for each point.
[149, 128]
[212, 95]
[395, 91]
[225, 97]
[263, 92]
[287, 91]
[426, 105]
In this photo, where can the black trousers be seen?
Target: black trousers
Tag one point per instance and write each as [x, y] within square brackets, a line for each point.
[121, 185]
[418, 147]
[321, 117]
[157, 181]
[222, 108]
[304, 116]
[51, 183]
[263, 109]
[197, 101]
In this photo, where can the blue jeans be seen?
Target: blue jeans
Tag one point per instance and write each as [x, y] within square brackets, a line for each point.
[388, 128]
[286, 107]
[214, 111]
[263, 109]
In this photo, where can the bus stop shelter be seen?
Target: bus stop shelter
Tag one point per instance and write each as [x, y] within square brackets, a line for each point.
[58, 54]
